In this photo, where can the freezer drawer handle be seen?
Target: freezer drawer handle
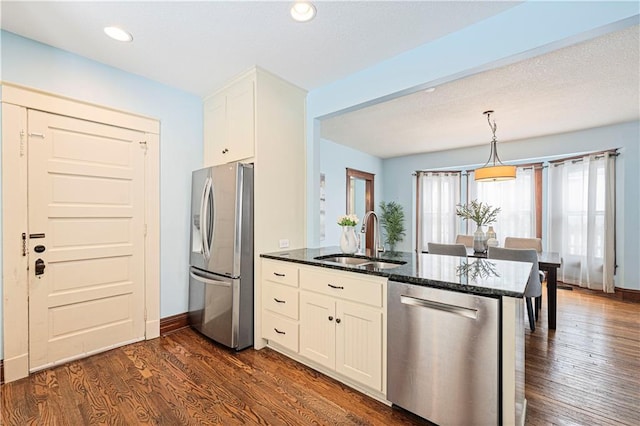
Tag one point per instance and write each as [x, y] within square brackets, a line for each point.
[430, 304]
[209, 281]
[279, 301]
[278, 274]
[278, 331]
[339, 287]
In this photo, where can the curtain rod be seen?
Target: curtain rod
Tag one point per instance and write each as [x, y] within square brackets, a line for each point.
[578, 158]
[421, 172]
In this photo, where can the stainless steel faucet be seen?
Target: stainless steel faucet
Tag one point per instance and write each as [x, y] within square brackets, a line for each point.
[377, 247]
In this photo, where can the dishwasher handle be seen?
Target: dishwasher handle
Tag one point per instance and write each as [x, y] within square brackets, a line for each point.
[439, 306]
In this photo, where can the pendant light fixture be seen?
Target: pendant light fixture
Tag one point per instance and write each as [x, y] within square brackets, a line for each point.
[494, 170]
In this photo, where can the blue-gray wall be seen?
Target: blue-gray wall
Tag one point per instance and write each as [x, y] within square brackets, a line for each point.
[334, 160]
[39, 66]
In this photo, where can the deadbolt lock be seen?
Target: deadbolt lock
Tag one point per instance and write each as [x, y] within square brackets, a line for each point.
[39, 267]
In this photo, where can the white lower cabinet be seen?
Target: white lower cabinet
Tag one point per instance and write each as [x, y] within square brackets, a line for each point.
[317, 320]
[280, 304]
[343, 336]
[331, 320]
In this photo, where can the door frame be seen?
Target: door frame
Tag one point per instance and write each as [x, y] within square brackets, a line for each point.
[370, 204]
[16, 100]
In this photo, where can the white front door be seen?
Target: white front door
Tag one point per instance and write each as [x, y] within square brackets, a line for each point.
[86, 238]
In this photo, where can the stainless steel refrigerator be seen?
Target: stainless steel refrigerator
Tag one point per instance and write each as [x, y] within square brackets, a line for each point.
[221, 255]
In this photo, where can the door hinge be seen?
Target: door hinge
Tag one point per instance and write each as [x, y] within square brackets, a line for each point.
[143, 144]
[22, 143]
[24, 244]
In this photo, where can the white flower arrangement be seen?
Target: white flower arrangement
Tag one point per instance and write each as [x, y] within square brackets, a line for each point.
[348, 220]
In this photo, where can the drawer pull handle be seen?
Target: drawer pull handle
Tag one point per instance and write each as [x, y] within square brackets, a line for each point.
[279, 301]
[338, 320]
[278, 331]
[339, 287]
[278, 275]
[330, 318]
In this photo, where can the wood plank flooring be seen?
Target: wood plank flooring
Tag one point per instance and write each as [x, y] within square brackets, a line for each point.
[587, 372]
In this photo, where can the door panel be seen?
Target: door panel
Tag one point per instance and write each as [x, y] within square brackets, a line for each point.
[86, 200]
[224, 220]
[317, 331]
[359, 344]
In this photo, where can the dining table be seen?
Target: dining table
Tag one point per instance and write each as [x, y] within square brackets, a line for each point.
[549, 262]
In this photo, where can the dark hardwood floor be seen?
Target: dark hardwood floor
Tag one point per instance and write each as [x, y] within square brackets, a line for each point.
[587, 372]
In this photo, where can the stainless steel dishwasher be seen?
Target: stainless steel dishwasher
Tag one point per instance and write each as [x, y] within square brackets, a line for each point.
[443, 354]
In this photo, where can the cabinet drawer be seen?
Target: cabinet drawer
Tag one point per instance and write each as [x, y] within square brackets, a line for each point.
[345, 286]
[280, 330]
[280, 299]
[280, 272]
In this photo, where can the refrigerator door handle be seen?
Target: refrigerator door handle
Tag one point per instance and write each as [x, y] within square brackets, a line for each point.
[206, 244]
[202, 219]
[208, 280]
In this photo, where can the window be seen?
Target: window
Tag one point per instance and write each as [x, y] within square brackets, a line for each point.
[438, 194]
[516, 199]
[582, 227]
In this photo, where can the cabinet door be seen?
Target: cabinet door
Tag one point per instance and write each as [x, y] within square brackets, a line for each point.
[359, 343]
[215, 130]
[240, 121]
[317, 328]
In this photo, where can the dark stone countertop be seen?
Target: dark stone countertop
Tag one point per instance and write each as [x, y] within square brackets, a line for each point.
[467, 275]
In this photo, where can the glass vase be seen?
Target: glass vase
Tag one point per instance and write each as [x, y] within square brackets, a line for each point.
[348, 240]
[479, 240]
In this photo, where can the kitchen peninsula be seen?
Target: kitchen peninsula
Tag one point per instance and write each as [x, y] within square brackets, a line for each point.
[441, 336]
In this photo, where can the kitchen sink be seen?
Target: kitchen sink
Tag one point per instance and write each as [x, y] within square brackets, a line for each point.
[384, 265]
[345, 260]
[360, 261]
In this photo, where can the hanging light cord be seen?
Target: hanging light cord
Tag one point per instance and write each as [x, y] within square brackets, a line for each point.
[493, 155]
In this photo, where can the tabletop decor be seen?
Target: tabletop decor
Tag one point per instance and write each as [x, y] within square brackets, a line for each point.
[348, 239]
[482, 214]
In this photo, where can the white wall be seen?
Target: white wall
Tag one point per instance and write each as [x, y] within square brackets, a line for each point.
[39, 66]
[626, 136]
[526, 30]
[334, 160]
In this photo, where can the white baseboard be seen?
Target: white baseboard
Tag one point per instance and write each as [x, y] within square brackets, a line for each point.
[16, 367]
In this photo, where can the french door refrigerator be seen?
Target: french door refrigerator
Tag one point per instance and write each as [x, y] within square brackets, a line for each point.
[221, 255]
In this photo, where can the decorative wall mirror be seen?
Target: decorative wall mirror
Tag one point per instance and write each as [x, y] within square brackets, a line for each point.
[360, 198]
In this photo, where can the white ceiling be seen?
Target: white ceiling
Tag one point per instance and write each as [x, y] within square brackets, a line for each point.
[199, 46]
[591, 84]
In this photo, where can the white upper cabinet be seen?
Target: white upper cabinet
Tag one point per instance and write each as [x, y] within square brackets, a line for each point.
[229, 123]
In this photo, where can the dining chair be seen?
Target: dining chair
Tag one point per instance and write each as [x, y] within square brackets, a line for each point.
[527, 243]
[523, 243]
[467, 240]
[534, 287]
[447, 249]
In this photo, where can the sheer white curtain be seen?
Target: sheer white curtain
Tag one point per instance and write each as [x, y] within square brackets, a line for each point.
[582, 220]
[438, 194]
[516, 199]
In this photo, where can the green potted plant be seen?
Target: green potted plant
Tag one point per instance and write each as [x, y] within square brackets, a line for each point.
[482, 214]
[392, 219]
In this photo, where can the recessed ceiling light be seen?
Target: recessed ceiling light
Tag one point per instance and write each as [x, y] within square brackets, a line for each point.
[303, 11]
[118, 33]
[430, 89]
